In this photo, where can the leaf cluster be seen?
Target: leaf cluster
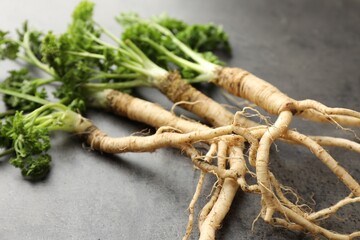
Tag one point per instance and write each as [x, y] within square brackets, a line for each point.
[202, 38]
[78, 57]
[199, 37]
[20, 81]
[30, 144]
[8, 47]
[34, 39]
[70, 70]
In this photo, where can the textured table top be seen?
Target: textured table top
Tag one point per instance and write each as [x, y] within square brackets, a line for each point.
[308, 49]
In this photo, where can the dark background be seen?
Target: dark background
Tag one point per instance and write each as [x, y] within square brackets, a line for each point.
[309, 49]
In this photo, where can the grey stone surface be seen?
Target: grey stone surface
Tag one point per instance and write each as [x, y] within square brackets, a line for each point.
[309, 49]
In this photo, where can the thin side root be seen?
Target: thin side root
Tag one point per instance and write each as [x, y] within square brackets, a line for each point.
[199, 186]
[328, 160]
[327, 212]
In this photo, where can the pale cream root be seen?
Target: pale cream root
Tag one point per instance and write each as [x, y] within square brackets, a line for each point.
[177, 90]
[284, 200]
[326, 158]
[126, 105]
[336, 142]
[222, 159]
[248, 86]
[151, 113]
[258, 131]
[222, 162]
[243, 171]
[316, 116]
[191, 207]
[209, 205]
[198, 161]
[304, 105]
[273, 202]
[314, 228]
[102, 142]
[210, 154]
[219, 210]
[262, 162]
[117, 102]
[99, 141]
[273, 198]
[279, 222]
[327, 212]
[222, 206]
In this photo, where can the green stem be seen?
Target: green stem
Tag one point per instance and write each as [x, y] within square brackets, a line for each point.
[71, 122]
[7, 152]
[176, 59]
[187, 50]
[33, 58]
[147, 63]
[25, 58]
[7, 113]
[140, 69]
[45, 107]
[87, 54]
[127, 51]
[98, 40]
[109, 34]
[117, 85]
[64, 100]
[114, 76]
[51, 121]
[24, 96]
[41, 81]
[204, 77]
[45, 124]
[137, 51]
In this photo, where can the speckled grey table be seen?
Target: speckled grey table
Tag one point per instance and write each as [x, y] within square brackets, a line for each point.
[309, 49]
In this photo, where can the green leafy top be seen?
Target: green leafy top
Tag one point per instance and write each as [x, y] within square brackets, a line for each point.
[201, 38]
[138, 32]
[83, 11]
[30, 145]
[8, 47]
[28, 135]
[20, 81]
[70, 70]
[194, 66]
[80, 58]
[26, 47]
[31, 39]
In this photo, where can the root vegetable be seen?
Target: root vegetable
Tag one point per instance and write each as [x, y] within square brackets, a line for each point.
[116, 104]
[246, 85]
[243, 84]
[95, 59]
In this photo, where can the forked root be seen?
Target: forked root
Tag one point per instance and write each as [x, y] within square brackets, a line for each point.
[209, 205]
[294, 217]
[327, 212]
[243, 84]
[317, 111]
[262, 162]
[222, 160]
[210, 154]
[297, 222]
[220, 209]
[337, 142]
[328, 160]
